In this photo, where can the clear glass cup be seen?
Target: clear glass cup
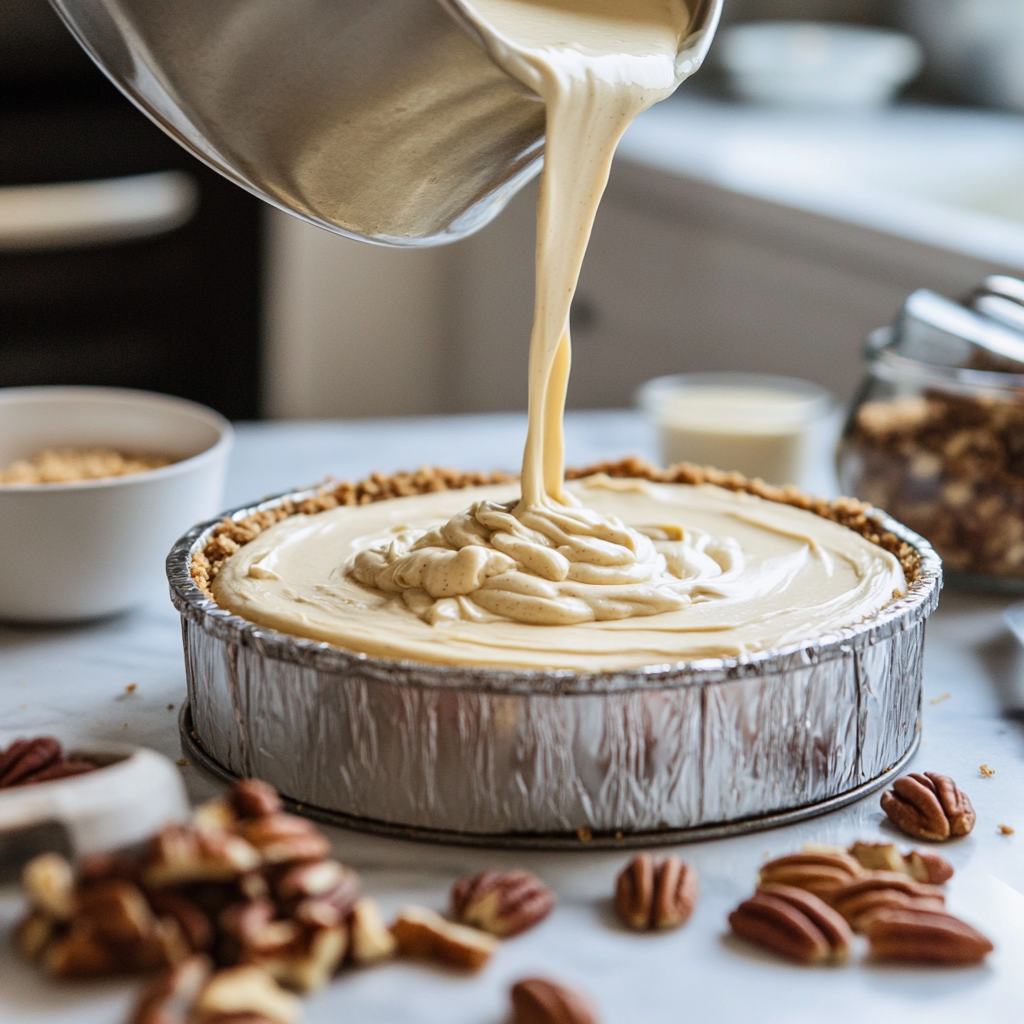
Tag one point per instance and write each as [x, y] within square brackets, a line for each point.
[779, 429]
[941, 449]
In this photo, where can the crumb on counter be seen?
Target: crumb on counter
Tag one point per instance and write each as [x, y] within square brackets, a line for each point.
[941, 697]
[1005, 830]
[131, 687]
[68, 465]
[181, 762]
[986, 771]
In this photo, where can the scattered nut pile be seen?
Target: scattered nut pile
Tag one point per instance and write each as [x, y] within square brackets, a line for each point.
[950, 467]
[41, 759]
[243, 907]
[243, 904]
[808, 905]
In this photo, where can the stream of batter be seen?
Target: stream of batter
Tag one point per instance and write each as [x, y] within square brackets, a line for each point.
[544, 558]
[428, 579]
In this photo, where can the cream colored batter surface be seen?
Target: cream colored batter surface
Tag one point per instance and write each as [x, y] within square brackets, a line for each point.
[738, 574]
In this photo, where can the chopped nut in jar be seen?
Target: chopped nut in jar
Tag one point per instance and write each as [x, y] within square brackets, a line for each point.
[951, 467]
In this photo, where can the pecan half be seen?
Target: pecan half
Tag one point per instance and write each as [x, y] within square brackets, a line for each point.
[539, 1001]
[928, 806]
[502, 902]
[422, 933]
[656, 894]
[794, 923]
[25, 757]
[820, 872]
[862, 898]
[922, 866]
[369, 940]
[929, 938]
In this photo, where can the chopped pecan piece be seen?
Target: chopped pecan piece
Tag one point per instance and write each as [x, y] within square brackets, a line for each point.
[180, 855]
[930, 938]
[81, 954]
[309, 962]
[502, 902]
[922, 866]
[117, 912]
[422, 933]
[655, 894]
[33, 934]
[819, 872]
[928, 806]
[369, 940]
[246, 990]
[49, 882]
[252, 798]
[539, 1001]
[794, 923]
[285, 838]
[194, 924]
[169, 998]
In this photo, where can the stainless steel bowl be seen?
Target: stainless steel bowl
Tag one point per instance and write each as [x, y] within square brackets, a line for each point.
[492, 757]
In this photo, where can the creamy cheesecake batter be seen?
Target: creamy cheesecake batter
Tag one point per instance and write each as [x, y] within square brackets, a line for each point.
[744, 574]
[594, 577]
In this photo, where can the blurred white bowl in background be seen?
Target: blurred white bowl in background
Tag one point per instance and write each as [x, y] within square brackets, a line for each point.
[80, 550]
[818, 64]
[778, 429]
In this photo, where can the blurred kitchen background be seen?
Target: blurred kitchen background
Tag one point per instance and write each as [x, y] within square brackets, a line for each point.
[735, 235]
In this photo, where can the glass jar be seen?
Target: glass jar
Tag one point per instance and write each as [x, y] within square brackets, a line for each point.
[941, 449]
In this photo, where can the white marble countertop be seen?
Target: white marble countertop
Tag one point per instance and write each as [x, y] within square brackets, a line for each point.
[72, 682]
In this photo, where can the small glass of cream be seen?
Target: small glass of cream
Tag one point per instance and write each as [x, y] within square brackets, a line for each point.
[777, 428]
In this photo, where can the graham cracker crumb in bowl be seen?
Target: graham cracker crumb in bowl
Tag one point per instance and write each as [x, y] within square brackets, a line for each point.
[70, 465]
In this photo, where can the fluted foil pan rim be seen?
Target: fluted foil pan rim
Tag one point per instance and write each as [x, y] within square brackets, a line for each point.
[899, 615]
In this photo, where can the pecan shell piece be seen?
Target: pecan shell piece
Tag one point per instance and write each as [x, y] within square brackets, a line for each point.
[928, 806]
[655, 894]
[503, 903]
[794, 923]
[539, 1001]
[914, 937]
[169, 998]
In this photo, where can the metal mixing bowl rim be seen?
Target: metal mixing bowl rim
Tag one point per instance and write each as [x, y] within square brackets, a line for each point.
[899, 615]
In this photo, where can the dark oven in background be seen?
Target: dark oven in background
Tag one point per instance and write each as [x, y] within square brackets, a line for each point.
[174, 311]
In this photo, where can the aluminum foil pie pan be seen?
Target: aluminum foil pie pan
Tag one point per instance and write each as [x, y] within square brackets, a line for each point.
[665, 753]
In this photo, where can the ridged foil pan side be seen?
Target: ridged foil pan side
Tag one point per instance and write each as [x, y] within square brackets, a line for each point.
[475, 753]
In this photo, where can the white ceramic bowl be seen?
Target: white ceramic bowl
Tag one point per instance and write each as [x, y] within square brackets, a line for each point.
[817, 64]
[95, 547]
